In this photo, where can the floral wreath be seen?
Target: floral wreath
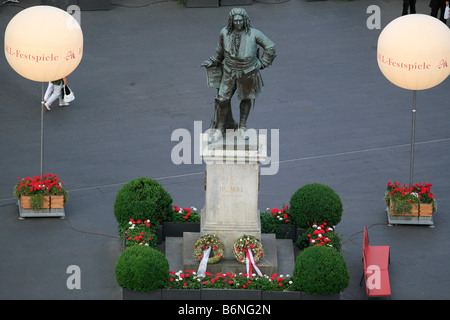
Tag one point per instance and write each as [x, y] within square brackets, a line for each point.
[245, 243]
[206, 241]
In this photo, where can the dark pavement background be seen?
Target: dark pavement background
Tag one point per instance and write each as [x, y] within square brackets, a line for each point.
[341, 123]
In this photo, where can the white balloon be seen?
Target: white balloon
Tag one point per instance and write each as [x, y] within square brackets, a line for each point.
[43, 43]
[413, 51]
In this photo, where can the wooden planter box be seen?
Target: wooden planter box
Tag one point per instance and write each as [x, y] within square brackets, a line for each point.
[50, 208]
[414, 211]
[394, 219]
[426, 209]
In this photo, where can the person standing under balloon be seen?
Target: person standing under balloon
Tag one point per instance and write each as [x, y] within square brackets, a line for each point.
[409, 4]
[435, 6]
[55, 91]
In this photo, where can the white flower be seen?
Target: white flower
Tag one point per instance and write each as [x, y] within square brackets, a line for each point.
[194, 208]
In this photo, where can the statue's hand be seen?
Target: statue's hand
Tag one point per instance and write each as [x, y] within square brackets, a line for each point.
[207, 64]
[260, 64]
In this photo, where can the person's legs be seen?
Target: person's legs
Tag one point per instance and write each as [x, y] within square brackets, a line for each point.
[55, 95]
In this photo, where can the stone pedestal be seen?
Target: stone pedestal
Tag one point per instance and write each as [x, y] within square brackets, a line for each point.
[231, 186]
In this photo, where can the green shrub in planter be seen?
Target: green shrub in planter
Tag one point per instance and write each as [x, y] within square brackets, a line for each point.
[315, 203]
[142, 268]
[142, 199]
[320, 270]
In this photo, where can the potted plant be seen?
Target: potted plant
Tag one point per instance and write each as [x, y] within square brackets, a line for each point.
[40, 193]
[408, 200]
[279, 222]
[275, 287]
[410, 204]
[315, 202]
[319, 235]
[142, 272]
[180, 220]
[320, 272]
[142, 199]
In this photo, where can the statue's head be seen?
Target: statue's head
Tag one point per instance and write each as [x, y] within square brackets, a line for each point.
[238, 13]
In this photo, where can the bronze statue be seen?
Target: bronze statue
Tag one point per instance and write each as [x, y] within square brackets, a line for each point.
[235, 67]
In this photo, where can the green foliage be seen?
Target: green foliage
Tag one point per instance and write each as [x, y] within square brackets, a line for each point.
[142, 199]
[320, 270]
[315, 203]
[36, 201]
[142, 268]
[268, 223]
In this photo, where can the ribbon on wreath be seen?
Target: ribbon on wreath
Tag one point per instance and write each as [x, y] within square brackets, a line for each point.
[249, 262]
[204, 262]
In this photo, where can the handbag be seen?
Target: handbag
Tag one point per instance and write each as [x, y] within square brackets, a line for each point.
[447, 12]
[68, 94]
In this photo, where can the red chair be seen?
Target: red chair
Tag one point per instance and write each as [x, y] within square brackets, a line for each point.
[376, 255]
[376, 260]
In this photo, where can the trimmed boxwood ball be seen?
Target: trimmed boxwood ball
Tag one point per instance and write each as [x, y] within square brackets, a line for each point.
[142, 268]
[142, 199]
[320, 270]
[315, 203]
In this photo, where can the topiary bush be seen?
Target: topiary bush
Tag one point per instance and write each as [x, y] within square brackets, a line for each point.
[320, 270]
[142, 268]
[315, 203]
[142, 199]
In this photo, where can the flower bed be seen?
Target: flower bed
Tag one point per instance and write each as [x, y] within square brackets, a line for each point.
[320, 235]
[181, 214]
[140, 233]
[279, 222]
[180, 220]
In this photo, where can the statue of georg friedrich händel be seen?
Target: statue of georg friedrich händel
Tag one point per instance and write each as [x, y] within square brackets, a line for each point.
[236, 66]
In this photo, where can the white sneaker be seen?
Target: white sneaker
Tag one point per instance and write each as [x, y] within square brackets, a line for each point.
[47, 107]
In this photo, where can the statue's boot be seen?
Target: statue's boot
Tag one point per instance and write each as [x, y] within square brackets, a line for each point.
[222, 106]
[244, 107]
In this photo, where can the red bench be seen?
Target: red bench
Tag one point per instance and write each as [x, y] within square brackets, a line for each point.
[376, 274]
